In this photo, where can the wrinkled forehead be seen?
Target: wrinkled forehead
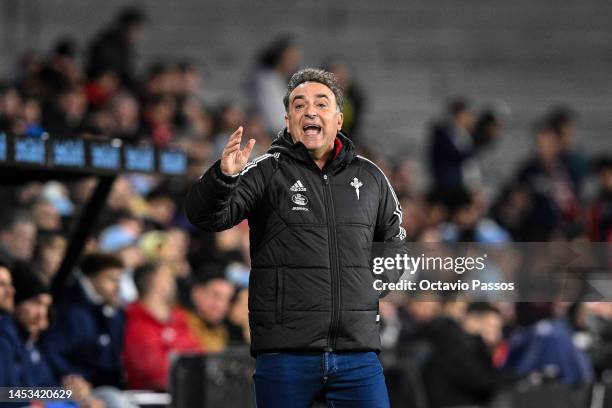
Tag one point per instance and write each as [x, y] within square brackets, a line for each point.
[311, 90]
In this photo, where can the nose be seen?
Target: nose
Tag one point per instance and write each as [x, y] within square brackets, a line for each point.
[311, 113]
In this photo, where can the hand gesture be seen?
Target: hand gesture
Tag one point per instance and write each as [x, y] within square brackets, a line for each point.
[233, 160]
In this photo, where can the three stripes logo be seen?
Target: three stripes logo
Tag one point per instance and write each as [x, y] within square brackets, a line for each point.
[297, 186]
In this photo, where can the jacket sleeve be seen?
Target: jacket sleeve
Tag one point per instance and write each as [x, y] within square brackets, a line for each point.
[217, 202]
[389, 235]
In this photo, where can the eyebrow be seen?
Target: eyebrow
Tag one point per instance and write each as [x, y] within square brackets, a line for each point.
[296, 97]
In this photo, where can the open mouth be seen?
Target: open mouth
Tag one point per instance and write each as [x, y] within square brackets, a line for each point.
[312, 130]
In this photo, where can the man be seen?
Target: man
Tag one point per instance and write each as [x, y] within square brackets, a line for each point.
[451, 150]
[459, 371]
[314, 208]
[211, 295]
[21, 333]
[17, 235]
[114, 48]
[155, 328]
[7, 295]
[86, 340]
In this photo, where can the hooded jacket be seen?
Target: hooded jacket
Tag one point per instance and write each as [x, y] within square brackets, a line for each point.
[87, 337]
[311, 233]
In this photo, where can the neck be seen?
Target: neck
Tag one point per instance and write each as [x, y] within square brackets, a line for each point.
[322, 158]
[159, 308]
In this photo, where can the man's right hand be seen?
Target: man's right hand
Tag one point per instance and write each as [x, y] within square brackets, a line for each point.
[233, 160]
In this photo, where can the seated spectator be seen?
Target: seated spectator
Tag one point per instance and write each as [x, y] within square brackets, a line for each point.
[17, 235]
[22, 333]
[467, 223]
[211, 295]
[7, 294]
[155, 329]
[48, 255]
[86, 340]
[238, 319]
[460, 370]
[541, 343]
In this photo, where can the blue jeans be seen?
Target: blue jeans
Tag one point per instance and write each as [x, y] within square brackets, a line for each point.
[294, 380]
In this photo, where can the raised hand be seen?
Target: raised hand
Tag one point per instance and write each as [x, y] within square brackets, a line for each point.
[233, 160]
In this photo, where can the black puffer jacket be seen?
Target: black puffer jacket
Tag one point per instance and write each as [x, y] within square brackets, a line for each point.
[311, 282]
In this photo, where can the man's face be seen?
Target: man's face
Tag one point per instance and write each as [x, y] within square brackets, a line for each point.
[20, 240]
[106, 283]
[7, 291]
[33, 314]
[212, 301]
[313, 117]
[164, 284]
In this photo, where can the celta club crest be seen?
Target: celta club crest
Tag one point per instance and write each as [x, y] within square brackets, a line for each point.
[356, 184]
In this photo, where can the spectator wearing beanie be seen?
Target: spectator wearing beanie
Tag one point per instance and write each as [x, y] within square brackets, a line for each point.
[155, 329]
[21, 333]
[86, 339]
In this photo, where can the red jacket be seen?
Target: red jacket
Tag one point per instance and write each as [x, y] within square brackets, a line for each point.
[148, 344]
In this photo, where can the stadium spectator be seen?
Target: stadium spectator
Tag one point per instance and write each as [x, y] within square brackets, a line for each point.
[7, 294]
[155, 329]
[86, 341]
[238, 319]
[22, 333]
[211, 295]
[459, 370]
[554, 205]
[599, 217]
[542, 343]
[17, 234]
[65, 114]
[467, 223]
[60, 71]
[487, 130]
[451, 149]
[564, 120]
[48, 255]
[46, 216]
[276, 62]
[158, 114]
[10, 107]
[126, 112]
[354, 100]
[101, 86]
[114, 47]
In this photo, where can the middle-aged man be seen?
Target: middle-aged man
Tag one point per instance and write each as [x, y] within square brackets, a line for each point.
[314, 209]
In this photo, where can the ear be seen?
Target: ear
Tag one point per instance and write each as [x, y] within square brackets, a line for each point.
[287, 123]
[340, 120]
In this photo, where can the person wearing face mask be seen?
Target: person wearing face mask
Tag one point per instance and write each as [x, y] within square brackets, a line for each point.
[314, 210]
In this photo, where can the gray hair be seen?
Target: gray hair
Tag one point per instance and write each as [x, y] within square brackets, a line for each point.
[315, 75]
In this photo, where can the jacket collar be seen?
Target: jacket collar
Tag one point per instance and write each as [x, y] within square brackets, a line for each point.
[343, 146]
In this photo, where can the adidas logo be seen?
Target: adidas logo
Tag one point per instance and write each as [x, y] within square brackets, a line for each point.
[297, 186]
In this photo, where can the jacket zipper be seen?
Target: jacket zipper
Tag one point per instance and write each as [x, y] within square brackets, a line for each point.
[334, 267]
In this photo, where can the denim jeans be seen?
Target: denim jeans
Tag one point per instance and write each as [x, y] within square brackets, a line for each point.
[294, 380]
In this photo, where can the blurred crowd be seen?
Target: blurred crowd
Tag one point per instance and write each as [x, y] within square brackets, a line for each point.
[150, 285]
